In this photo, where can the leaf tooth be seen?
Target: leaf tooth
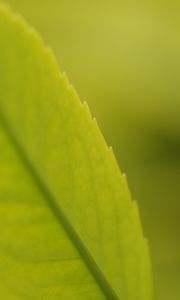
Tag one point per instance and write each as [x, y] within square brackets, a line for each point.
[145, 267]
[113, 159]
[86, 108]
[110, 148]
[65, 77]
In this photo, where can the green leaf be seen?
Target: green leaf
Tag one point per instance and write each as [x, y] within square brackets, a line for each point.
[69, 229]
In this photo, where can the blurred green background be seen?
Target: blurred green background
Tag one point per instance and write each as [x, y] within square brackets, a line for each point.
[123, 57]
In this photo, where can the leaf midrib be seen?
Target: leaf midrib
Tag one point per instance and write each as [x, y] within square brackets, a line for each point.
[55, 207]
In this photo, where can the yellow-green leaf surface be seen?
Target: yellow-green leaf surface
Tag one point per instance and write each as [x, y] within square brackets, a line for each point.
[68, 226]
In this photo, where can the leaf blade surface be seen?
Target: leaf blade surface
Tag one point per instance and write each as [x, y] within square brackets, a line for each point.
[57, 139]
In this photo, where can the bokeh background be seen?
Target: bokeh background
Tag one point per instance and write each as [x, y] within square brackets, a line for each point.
[123, 57]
